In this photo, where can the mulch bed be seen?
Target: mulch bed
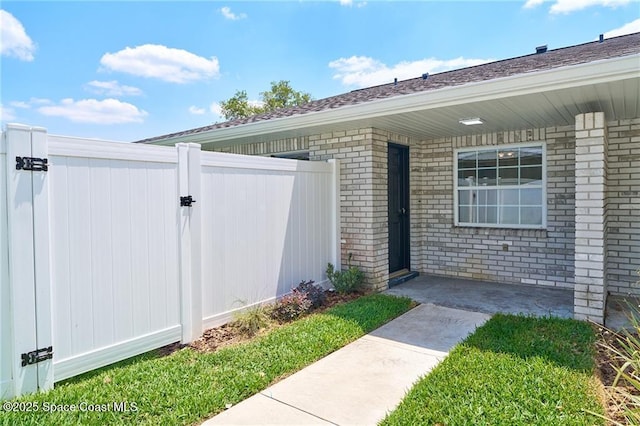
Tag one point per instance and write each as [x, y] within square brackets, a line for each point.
[615, 399]
[225, 335]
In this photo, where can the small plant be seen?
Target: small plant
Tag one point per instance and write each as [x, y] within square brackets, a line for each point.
[315, 293]
[348, 281]
[291, 306]
[252, 320]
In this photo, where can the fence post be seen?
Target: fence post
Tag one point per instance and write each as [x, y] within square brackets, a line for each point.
[189, 175]
[28, 247]
[336, 234]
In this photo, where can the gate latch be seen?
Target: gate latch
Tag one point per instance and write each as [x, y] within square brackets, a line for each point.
[37, 356]
[187, 201]
[32, 164]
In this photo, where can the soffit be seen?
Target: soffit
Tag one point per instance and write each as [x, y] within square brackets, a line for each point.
[618, 100]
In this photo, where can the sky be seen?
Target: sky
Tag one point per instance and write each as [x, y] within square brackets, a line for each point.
[126, 71]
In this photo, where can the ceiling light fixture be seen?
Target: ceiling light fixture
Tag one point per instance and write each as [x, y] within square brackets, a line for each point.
[471, 121]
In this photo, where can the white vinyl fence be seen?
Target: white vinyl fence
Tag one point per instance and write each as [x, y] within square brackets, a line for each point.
[103, 258]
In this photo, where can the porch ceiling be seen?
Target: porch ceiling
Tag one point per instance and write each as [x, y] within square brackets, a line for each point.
[557, 108]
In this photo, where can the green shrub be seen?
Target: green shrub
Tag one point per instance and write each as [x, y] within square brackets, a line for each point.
[348, 281]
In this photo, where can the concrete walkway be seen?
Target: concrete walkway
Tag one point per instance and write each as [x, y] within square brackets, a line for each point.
[360, 383]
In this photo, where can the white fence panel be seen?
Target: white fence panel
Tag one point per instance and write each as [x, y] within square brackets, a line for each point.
[114, 251]
[99, 260]
[267, 224]
[6, 346]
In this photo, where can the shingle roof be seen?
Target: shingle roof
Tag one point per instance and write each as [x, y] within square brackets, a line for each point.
[573, 55]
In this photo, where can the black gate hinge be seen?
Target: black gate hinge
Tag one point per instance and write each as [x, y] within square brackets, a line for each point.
[32, 164]
[37, 356]
[187, 201]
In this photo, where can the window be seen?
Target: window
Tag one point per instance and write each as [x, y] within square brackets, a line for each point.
[503, 187]
[293, 155]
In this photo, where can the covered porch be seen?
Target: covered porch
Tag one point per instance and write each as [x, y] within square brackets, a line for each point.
[491, 297]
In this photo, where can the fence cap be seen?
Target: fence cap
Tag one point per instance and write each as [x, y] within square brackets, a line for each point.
[24, 127]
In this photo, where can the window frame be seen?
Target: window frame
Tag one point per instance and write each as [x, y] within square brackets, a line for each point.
[456, 207]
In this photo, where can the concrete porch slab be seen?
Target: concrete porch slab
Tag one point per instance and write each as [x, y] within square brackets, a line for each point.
[492, 297]
[488, 297]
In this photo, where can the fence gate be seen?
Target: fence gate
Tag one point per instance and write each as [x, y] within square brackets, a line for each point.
[104, 255]
[27, 204]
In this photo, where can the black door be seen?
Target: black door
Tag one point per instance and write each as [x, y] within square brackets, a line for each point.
[398, 181]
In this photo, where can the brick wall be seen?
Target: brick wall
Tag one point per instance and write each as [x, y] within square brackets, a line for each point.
[624, 207]
[363, 197]
[541, 257]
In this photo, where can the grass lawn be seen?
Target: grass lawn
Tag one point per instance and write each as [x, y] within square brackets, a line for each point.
[189, 386]
[514, 370]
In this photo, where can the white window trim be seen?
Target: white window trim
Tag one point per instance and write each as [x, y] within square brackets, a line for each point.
[456, 210]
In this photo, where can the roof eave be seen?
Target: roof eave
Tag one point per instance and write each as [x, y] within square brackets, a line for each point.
[596, 72]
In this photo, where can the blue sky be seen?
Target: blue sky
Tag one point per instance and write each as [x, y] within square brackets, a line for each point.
[130, 70]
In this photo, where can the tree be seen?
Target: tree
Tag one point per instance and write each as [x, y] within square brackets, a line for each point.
[281, 95]
[238, 106]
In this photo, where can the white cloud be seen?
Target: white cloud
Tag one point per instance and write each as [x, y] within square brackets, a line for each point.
[533, 3]
[41, 101]
[27, 104]
[107, 111]
[631, 27]
[161, 62]
[15, 41]
[112, 88]
[216, 109]
[228, 14]
[363, 71]
[196, 111]
[6, 114]
[568, 6]
[20, 104]
[350, 3]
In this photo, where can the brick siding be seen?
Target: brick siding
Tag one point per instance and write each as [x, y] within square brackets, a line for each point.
[624, 207]
[541, 257]
[363, 198]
